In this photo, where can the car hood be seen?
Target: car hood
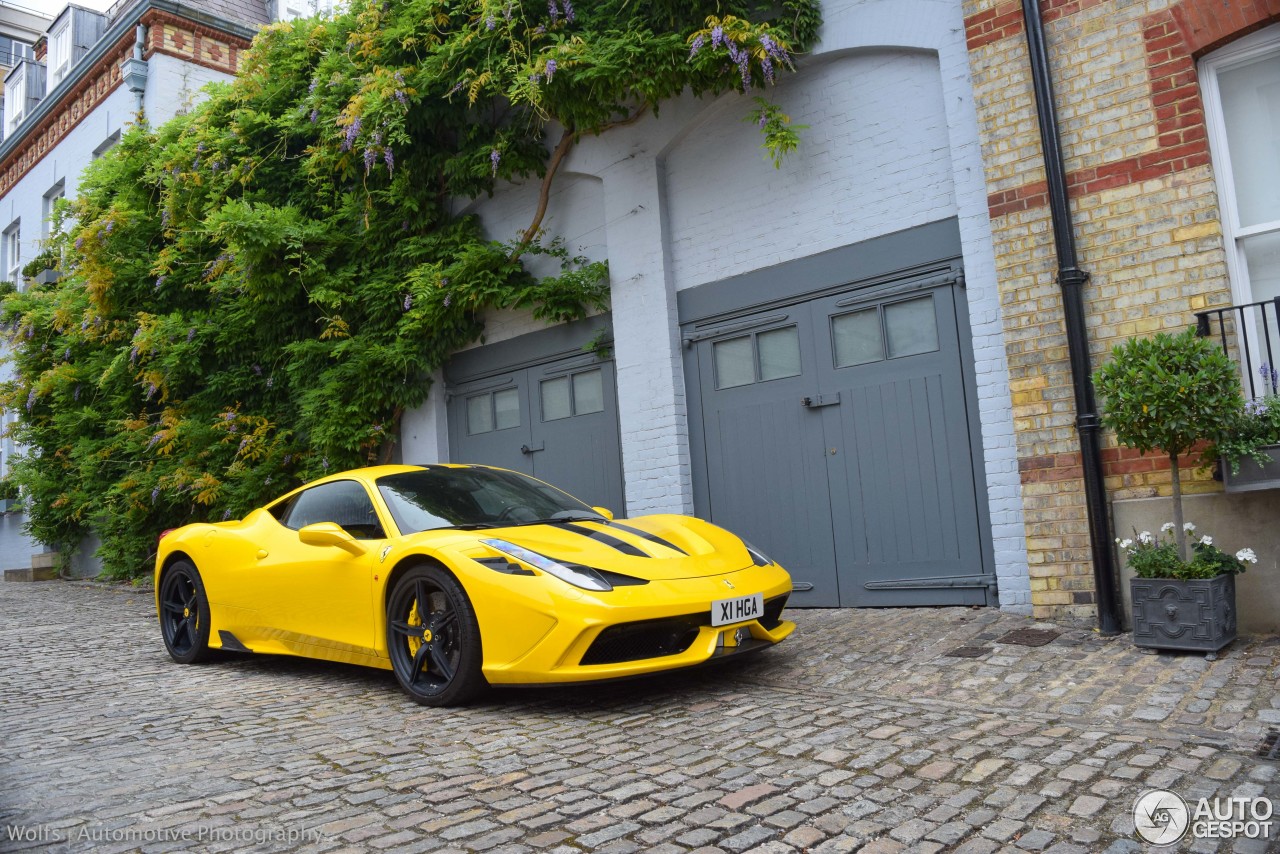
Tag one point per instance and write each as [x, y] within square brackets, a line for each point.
[655, 548]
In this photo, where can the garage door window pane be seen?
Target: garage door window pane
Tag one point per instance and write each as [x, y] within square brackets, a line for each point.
[479, 414]
[555, 399]
[911, 326]
[779, 353]
[588, 393]
[506, 409]
[734, 362]
[857, 338]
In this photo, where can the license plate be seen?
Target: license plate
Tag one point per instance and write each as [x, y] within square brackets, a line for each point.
[737, 610]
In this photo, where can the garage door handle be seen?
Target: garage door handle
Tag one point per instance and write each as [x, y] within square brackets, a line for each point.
[818, 400]
[533, 449]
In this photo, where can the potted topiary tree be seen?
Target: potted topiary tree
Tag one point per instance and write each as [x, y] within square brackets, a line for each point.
[1171, 393]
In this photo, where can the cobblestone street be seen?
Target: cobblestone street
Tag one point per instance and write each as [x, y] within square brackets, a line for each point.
[859, 733]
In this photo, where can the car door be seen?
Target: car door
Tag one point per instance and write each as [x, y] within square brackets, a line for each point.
[322, 596]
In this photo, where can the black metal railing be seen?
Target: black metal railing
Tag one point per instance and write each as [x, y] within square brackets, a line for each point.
[1250, 334]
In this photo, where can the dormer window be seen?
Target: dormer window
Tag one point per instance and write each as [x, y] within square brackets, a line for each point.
[59, 62]
[15, 98]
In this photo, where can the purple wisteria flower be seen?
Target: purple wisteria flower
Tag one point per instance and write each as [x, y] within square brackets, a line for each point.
[698, 44]
[79, 242]
[553, 10]
[315, 116]
[271, 381]
[133, 356]
[495, 157]
[151, 390]
[244, 443]
[76, 395]
[764, 120]
[200, 146]
[389, 159]
[490, 23]
[448, 300]
[717, 37]
[567, 7]
[408, 301]
[766, 64]
[744, 68]
[191, 334]
[402, 98]
[226, 515]
[353, 131]
[257, 369]
[288, 458]
[159, 283]
[324, 463]
[164, 218]
[31, 400]
[229, 415]
[551, 69]
[154, 440]
[312, 88]
[155, 493]
[110, 225]
[370, 157]
[1255, 408]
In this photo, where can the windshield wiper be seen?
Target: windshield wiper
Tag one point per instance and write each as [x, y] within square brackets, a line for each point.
[471, 526]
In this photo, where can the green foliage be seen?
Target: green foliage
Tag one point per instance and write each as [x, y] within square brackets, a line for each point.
[1169, 392]
[1157, 556]
[255, 292]
[780, 136]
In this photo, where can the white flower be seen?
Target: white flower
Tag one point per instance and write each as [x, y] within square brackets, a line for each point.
[1145, 538]
[1167, 527]
[1206, 540]
[1124, 544]
[1246, 556]
[1188, 526]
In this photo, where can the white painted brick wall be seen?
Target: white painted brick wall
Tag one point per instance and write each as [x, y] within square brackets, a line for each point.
[874, 160]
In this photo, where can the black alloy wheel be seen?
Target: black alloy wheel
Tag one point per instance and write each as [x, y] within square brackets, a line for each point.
[433, 638]
[184, 614]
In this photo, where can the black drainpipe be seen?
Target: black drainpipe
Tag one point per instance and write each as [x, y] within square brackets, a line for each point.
[1072, 280]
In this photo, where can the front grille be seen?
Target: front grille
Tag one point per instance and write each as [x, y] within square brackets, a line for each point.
[645, 639]
[772, 615]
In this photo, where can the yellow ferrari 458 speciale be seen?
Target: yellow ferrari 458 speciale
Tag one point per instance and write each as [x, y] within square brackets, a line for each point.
[457, 577]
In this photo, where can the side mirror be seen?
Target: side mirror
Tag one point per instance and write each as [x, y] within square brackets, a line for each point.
[605, 512]
[330, 534]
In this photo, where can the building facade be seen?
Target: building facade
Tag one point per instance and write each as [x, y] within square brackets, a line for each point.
[89, 76]
[813, 356]
[1170, 120]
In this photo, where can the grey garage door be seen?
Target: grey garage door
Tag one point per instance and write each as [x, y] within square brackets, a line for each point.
[556, 419]
[835, 433]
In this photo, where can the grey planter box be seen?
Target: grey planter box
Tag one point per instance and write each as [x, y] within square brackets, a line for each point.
[47, 276]
[1197, 615]
[1253, 476]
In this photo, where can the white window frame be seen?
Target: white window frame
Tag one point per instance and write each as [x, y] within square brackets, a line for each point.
[11, 250]
[107, 144]
[1243, 50]
[59, 61]
[57, 191]
[15, 99]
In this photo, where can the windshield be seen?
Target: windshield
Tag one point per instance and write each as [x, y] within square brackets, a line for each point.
[474, 498]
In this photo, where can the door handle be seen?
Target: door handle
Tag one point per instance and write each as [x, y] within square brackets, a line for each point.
[817, 400]
[533, 449]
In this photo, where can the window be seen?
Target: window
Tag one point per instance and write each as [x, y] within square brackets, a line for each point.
[15, 98]
[57, 191]
[746, 359]
[59, 61]
[1241, 87]
[891, 331]
[499, 410]
[107, 144]
[343, 502]
[12, 50]
[288, 10]
[11, 253]
[578, 394]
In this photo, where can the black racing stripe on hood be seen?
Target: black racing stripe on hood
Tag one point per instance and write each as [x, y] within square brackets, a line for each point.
[609, 540]
[653, 538]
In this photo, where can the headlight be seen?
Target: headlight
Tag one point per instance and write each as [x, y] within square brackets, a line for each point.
[758, 557]
[579, 576]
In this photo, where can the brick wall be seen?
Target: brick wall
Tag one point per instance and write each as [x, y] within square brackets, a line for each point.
[1145, 212]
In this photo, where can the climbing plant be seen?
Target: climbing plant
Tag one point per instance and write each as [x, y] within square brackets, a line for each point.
[253, 293]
